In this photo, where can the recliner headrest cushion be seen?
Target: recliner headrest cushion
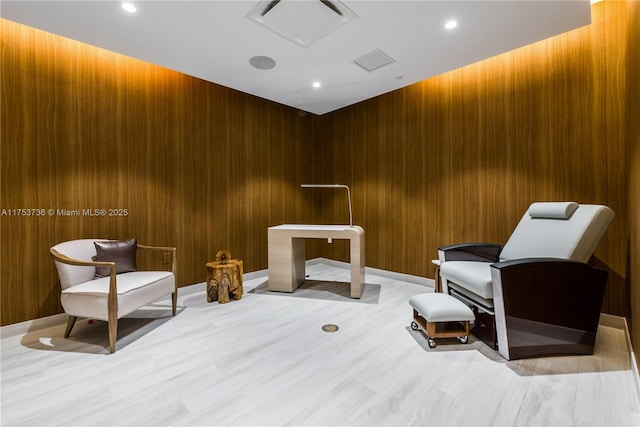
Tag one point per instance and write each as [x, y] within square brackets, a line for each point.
[552, 210]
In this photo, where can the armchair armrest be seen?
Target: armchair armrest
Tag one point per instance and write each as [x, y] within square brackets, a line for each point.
[157, 248]
[165, 249]
[524, 262]
[113, 290]
[57, 256]
[536, 283]
[487, 252]
[546, 306]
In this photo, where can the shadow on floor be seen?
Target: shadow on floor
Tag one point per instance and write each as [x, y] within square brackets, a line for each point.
[92, 336]
[605, 358]
[325, 290]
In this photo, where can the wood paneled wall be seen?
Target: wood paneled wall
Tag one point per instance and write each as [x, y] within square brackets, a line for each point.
[197, 166]
[633, 140]
[455, 158]
[460, 157]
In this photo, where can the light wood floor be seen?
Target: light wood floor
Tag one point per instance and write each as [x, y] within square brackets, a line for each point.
[264, 360]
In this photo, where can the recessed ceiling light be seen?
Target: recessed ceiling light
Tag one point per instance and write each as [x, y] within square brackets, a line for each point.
[129, 7]
[450, 25]
[316, 84]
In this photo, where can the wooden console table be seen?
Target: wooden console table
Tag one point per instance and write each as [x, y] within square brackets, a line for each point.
[287, 253]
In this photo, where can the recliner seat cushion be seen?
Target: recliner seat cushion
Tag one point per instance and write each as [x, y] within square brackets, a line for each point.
[472, 275]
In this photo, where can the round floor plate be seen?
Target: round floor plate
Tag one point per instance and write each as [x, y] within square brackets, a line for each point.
[329, 328]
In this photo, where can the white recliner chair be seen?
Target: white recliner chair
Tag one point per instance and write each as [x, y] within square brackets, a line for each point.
[99, 280]
[537, 295]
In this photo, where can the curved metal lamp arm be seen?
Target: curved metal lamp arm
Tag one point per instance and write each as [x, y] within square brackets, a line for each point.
[334, 186]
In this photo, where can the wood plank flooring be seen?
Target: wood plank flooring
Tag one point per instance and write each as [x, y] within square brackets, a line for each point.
[264, 360]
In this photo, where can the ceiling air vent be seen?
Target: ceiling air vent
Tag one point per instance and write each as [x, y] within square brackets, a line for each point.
[302, 22]
[373, 60]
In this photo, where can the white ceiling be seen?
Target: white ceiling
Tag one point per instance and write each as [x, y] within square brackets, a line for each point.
[214, 40]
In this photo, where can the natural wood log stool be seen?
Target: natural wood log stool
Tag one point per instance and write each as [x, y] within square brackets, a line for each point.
[224, 278]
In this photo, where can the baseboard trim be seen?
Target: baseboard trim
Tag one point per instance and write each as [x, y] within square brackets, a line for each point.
[621, 323]
[345, 265]
[22, 328]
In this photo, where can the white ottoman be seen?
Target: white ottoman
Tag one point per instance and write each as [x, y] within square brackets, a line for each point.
[441, 316]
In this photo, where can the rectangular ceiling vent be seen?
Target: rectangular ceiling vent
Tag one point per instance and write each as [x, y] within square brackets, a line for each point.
[373, 60]
[302, 22]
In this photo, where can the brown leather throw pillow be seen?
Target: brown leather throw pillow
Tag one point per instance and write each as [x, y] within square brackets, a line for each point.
[122, 252]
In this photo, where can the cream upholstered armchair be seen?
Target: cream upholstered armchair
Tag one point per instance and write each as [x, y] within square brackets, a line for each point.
[537, 295]
[99, 280]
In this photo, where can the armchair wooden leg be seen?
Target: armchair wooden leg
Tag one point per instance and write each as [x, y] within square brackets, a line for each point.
[113, 333]
[71, 321]
[113, 310]
[174, 301]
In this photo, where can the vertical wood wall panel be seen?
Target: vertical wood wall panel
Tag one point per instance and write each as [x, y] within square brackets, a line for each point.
[196, 165]
[455, 158]
[632, 136]
[459, 157]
